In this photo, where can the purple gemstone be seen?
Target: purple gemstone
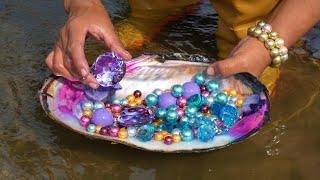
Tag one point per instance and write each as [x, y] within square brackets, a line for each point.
[108, 69]
[102, 117]
[135, 116]
[190, 89]
[103, 94]
[166, 100]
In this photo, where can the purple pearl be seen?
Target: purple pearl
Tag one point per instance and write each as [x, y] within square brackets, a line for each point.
[104, 131]
[205, 93]
[168, 140]
[195, 131]
[113, 131]
[180, 112]
[190, 89]
[116, 108]
[182, 101]
[85, 121]
[102, 117]
[166, 100]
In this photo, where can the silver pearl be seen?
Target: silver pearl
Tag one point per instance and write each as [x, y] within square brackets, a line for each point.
[98, 105]
[87, 105]
[284, 57]
[257, 32]
[261, 24]
[267, 28]
[279, 42]
[175, 131]
[274, 52]
[269, 44]
[283, 50]
[158, 92]
[273, 35]
[263, 37]
[276, 61]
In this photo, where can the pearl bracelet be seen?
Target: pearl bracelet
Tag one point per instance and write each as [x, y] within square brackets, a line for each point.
[271, 40]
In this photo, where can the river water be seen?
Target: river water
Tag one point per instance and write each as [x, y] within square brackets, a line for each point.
[34, 147]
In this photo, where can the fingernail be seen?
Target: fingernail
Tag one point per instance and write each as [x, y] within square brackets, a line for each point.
[127, 54]
[84, 72]
[210, 71]
[93, 85]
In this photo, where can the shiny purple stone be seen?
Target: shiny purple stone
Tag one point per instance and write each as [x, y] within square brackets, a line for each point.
[108, 69]
[136, 116]
[166, 100]
[102, 117]
[190, 89]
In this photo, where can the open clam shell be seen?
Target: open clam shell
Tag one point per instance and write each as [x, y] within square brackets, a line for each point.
[61, 101]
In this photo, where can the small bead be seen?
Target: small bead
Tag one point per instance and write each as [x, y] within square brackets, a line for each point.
[269, 43]
[87, 112]
[157, 92]
[87, 105]
[91, 128]
[131, 98]
[251, 31]
[124, 102]
[284, 58]
[257, 32]
[279, 42]
[200, 78]
[239, 102]
[168, 140]
[132, 131]
[276, 61]
[212, 86]
[98, 128]
[203, 88]
[138, 101]
[123, 133]
[263, 37]
[137, 93]
[176, 131]
[267, 28]
[177, 90]
[274, 52]
[232, 92]
[261, 24]
[158, 136]
[176, 138]
[151, 100]
[205, 109]
[116, 101]
[283, 50]
[273, 35]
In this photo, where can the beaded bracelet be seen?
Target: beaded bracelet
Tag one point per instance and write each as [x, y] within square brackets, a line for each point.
[272, 42]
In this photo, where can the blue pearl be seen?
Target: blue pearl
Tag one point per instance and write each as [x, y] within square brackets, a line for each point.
[187, 135]
[116, 101]
[209, 100]
[132, 131]
[229, 115]
[160, 113]
[168, 127]
[91, 128]
[151, 99]
[124, 102]
[199, 78]
[202, 121]
[196, 100]
[145, 132]
[98, 105]
[171, 116]
[184, 119]
[206, 133]
[173, 107]
[191, 111]
[215, 108]
[157, 92]
[221, 98]
[87, 105]
[213, 118]
[177, 90]
[212, 86]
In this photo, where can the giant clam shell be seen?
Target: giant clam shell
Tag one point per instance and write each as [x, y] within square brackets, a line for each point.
[60, 100]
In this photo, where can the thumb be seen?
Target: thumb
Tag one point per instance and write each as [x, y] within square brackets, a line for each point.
[226, 67]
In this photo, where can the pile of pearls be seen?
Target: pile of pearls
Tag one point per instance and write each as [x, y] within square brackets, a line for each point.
[199, 109]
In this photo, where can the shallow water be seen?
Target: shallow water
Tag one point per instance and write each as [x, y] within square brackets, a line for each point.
[32, 146]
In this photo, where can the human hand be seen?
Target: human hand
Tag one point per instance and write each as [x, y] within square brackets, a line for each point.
[86, 18]
[249, 55]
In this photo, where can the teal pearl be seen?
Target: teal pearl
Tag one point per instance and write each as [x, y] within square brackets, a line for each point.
[151, 99]
[91, 128]
[209, 100]
[160, 113]
[196, 100]
[98, 105]
[177, 90]
[124, 102]
[184, 119]
[132, 131]
[116, 101]
[173, 107]
[212, 86]
[199, 115]
[87, 105]
[171, 116]
[221, 98]
[157, 92]
[191, 111]
[199, 78]
[187, 134]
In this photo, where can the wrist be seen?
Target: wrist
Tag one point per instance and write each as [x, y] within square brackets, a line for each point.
[72, 6]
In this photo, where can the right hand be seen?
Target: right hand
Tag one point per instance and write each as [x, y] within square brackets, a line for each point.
[67, 58]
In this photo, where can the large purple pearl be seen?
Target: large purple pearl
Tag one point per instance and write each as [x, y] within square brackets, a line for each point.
[102, 117]
[166, 100]
[113, 131]
[190, 89]
[84, 121]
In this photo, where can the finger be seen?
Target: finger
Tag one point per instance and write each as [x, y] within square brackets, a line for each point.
[58, 67]
[227, 67]
[116, 46]
[49, 60]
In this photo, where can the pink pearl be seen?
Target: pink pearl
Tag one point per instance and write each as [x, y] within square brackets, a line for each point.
[168, 140]
[181, 101]
[116, 108]
[180, 112]
[113, 131]
[205, 93]
[85, 121]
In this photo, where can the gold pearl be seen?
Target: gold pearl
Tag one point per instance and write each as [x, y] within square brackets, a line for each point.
[251, 31]
[279, 42]
[158, 136]
[226, 92]
[157, 122]
[276, 61]
[257, 32]
[263, 37]
[269, 44]
[87, 112]
[239, 102]
[98, 128]
[273, 35]
[138, 101]
[131, 98]
[132, 104]
[164, 133]
[123, 133]
[233, 93]
[274, 52]
[176, 138]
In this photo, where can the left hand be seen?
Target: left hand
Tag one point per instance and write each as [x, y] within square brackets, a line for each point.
[249, 55]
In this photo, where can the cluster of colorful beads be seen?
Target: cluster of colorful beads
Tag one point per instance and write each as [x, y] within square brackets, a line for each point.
[198, 109]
